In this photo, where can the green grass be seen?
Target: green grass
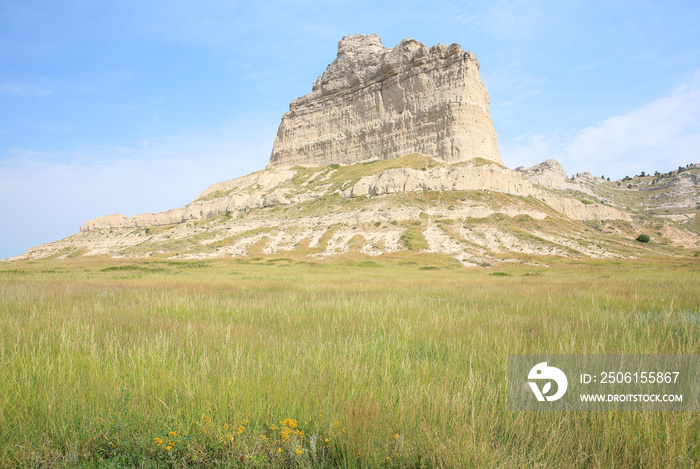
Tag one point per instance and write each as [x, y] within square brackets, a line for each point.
[413, 239]
[395, 365]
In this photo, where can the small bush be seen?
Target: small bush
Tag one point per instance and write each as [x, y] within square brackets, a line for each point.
[643, 238]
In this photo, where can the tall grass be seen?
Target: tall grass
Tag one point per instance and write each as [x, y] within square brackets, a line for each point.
[161, 364]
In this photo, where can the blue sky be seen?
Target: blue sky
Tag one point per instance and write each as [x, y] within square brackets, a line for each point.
[130, 107]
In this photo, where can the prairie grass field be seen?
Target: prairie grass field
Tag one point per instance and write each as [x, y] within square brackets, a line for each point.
[395, 361]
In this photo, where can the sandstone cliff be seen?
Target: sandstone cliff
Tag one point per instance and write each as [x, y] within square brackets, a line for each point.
[375, 102]
[394, 150]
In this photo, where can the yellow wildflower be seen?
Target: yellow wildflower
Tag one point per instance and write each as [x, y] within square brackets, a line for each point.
[168, 448]
[396, 436]
[299, 451]
[240, 429]
[285, 433]
[290, 423]
[335, 423]
[279, 450]
[245, 421]
[263, 437]
[230, 437]
[327, 440]
[273, 427]
[172, 434]
[226, 426]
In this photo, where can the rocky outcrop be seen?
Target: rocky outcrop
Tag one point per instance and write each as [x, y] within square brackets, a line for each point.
[375, 102]
[685, 180]
[489, 177]
[459, 178]
[551, 174]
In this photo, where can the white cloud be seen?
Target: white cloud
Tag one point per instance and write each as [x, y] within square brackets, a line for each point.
[658, 135]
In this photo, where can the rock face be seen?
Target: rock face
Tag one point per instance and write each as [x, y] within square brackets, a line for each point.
[375, 102]
[460, 178]
[276, 187]
[551, 175]
[548, 174]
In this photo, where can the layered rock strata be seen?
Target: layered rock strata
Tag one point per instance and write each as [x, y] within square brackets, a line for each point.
[274, 187]
[375, 102]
